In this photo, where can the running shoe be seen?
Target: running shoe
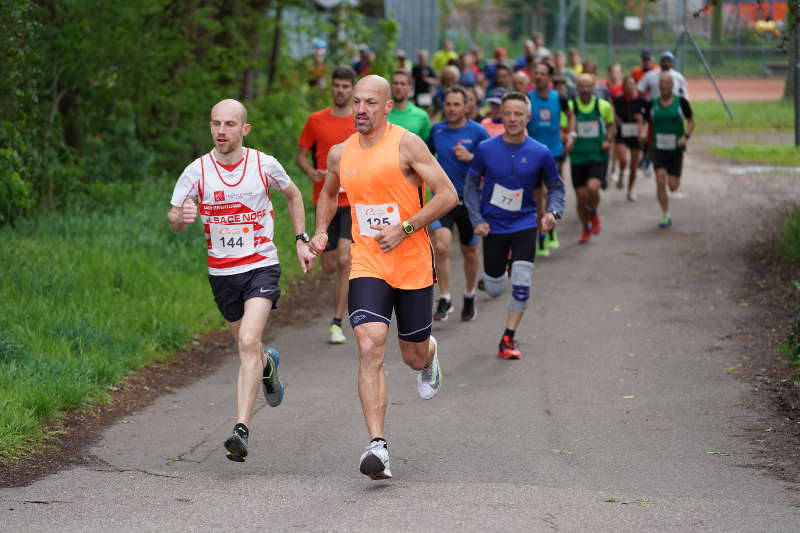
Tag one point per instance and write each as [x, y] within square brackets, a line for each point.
[665, 222]
[508, 349]
[621, 182]
[552, 240]
[273, 386]
[596, 223]
[429, 379]
[541, 248]
[481, 285]
[375, 461]
[236, 444]
[469, 311]
[631, 196]
[337, 336]
[444, 308]
[585, 235]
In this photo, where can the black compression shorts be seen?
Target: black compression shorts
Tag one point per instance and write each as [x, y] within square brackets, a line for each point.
[231, 291]
[672, 160]
[496, 246]
[459, 216]
[581, 172]
[372, 300]
[341, 227]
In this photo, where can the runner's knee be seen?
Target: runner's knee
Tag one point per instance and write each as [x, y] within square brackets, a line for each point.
[495, 286]
[521, 277]
[249, 343]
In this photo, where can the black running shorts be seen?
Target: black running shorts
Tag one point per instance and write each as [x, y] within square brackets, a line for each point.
[672, 160]
[521, 244]
[341, 227]
[581, 172]
[372, 300]
[459, 216]
[230, 292]
[632, 143]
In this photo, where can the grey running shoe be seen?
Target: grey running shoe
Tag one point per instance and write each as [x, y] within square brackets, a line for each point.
[429, 379]
[236, 444]
[375, 461]
[443, 308]
[273, 386]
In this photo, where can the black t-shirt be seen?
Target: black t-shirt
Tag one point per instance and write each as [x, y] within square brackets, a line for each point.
[626, 109]
[419, 73]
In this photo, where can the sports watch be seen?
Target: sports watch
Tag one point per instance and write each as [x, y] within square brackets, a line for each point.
[408, 227]
[555, 215]
[302, 237]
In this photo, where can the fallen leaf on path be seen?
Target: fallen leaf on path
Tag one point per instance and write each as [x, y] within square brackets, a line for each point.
[561, 452]
[629, 397]
[617, 308]
[610, 500]
[722, 454]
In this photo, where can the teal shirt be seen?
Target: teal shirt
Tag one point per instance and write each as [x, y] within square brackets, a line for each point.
[413, 119]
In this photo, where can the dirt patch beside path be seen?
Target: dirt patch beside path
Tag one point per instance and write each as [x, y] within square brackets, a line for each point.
[305, 298]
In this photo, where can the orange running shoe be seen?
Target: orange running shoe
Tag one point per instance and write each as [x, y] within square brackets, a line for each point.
[585, 235]
[508, 349]
[596, 223]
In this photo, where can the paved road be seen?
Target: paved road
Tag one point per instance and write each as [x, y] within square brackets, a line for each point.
[622, 395]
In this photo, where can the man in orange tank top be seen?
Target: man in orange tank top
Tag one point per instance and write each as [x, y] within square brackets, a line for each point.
[384, 170]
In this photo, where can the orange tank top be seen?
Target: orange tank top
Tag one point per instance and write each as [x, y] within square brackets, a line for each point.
[380, 195]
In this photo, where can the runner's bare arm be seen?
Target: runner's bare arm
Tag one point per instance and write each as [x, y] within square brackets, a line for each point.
[180, 217]
[415, 155]
[328, 200]
[297, 214]
[302, 161]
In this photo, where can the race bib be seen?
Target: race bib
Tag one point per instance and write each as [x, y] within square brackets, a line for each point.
[236, 240]
[544, 115]
[372, 218]
[589, 129]
[630, 129]
[424, 99]
[508, 199]
[666, 141]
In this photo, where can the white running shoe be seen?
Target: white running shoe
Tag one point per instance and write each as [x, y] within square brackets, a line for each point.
[430, 379]
[337, 336]
[375, 461]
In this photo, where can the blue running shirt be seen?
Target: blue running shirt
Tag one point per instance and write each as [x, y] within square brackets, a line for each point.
[510, 174]
[443, 139]
[545, 124]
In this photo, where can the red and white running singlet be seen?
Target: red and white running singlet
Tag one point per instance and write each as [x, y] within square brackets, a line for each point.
[235, 208]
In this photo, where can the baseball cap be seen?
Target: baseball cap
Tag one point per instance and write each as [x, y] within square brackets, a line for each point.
[667, 54]
[647, 54]
[500, 52]
[497, 96]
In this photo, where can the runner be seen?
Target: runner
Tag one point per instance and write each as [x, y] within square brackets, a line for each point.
[589, 158]
[424, 81]
[651, 82]
[453, 141]
[322, 130]
[504, 211]
[545, 127]
[639, 71]
[404, 113]
[231, 185]
[392, 258]
[631, 111]
[493, 123]
[667, 117]
[647, 144]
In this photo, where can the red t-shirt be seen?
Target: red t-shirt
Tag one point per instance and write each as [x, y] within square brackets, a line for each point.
[323, 130]
[615, 90]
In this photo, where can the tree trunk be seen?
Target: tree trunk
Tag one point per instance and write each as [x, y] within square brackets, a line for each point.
[792, 43]
[276, 45]
[716, 24]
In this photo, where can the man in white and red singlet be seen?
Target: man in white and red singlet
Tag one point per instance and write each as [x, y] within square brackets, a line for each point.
[232, 186]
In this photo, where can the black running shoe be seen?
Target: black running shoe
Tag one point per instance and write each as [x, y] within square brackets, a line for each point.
[443, 309]
[236, 445]
[469, 311]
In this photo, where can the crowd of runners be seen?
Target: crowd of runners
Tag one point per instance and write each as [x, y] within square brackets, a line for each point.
[455, 145]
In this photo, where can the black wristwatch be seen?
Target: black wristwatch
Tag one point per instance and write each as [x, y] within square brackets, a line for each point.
[302, 237]
[555, 215]
[408, 227]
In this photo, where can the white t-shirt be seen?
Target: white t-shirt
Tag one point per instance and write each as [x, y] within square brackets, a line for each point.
[649, 83]
[235, 209]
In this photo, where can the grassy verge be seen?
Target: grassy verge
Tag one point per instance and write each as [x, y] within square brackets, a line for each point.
[749, 117]
[789, 244]
[91, 297]
[780, 154]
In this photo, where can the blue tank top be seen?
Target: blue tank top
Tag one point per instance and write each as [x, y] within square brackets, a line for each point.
[545, 124]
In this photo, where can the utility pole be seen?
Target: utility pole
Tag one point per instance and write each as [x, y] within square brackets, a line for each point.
[796, 68]
[582, 26]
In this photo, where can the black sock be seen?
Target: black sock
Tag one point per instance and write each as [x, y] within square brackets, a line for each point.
[380, 439]
[509, 333]
[241, 429]
[337, 321]
[551, 233]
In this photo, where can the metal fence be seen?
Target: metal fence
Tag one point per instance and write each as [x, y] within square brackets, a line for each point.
[419, 24]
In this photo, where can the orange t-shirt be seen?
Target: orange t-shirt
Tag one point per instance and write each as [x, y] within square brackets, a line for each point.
[323, 129]
[638, 72]
[379, 195]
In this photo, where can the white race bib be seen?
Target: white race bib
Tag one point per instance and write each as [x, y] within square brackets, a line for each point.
[508, 199]
[630, 129]
[424, 99]
[372, 218]
[666, 141]
[589, 129]
[237, 240]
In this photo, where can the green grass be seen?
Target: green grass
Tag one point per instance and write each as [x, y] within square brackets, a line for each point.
[789, 241]
[748, 117]
[773, 154]
[90, 297]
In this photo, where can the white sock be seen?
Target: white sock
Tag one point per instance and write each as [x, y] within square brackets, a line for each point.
[469, 294]
[445, 297]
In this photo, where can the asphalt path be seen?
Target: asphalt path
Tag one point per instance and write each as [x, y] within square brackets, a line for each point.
[620, 417]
